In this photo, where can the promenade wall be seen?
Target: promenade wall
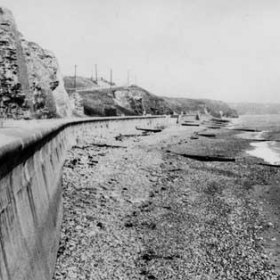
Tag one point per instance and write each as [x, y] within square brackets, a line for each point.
[32, 155]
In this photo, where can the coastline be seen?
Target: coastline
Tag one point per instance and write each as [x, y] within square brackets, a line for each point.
[145, 211]
[265, 142]
[266, 151]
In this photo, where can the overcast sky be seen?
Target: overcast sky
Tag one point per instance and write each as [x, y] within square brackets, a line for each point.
[219, 49]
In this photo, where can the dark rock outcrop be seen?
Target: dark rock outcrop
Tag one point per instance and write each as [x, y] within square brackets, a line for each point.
[30, 81]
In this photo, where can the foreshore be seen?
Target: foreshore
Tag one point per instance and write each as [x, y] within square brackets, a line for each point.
[140, 208]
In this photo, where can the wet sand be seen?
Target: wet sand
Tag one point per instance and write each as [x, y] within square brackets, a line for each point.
[145, 211]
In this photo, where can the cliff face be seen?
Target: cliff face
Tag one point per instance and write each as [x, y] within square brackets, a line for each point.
[141, 101]
[30, 80]
[130, 100]
[134, 100]
[45, 79]
[13, 80]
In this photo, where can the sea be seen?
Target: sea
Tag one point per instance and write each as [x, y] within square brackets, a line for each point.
[268, 127]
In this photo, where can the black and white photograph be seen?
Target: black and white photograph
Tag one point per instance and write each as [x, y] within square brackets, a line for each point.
[139, 140]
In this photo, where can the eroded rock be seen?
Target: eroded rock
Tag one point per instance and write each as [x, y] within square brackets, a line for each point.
[30, 80]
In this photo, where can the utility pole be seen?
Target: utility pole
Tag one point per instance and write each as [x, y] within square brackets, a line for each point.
[111, 77]
[75, 78]
[96, 76]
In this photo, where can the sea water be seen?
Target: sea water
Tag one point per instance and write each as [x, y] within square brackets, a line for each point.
[269, 128]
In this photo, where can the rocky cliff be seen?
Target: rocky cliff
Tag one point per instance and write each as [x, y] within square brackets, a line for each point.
[31, 84]
[132, 100]
[140, 101]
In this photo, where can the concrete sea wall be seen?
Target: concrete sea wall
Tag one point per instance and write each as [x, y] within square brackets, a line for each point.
[31, 160]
